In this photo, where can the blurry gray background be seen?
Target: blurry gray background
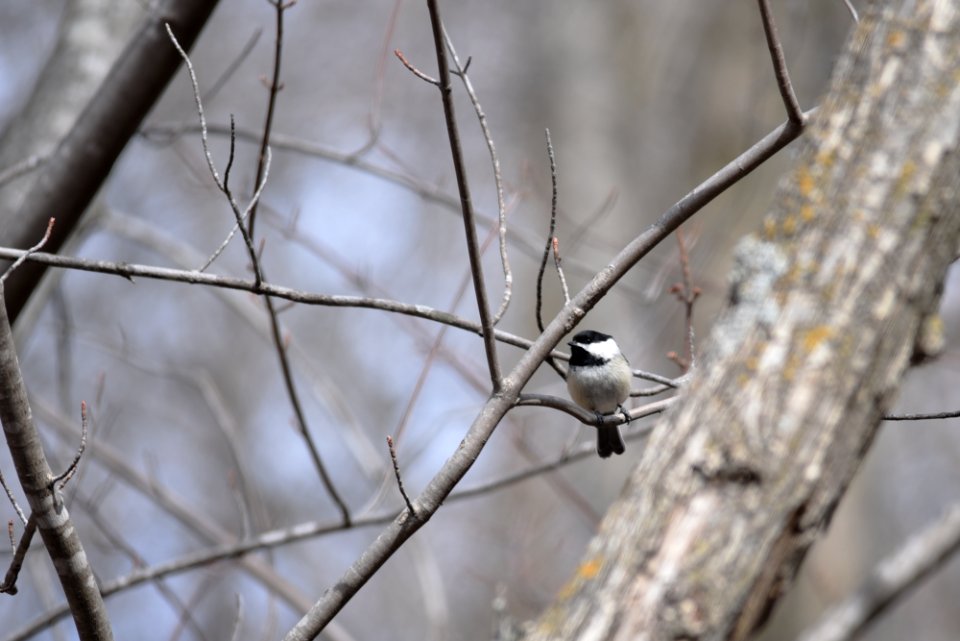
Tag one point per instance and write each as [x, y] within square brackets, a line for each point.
[644, 99]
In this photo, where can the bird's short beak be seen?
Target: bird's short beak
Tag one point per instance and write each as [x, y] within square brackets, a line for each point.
[571, 344]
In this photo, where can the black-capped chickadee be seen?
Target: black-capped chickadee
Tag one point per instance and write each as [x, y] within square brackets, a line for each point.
[599, 381]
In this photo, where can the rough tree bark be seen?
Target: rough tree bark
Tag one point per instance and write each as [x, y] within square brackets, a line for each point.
[827, 302]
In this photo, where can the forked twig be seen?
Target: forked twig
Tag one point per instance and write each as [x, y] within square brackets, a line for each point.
[262, 172]
[221, 184]
[551, 235]
[32, 250]
[497, 178]
[61, 480]
[466, 202]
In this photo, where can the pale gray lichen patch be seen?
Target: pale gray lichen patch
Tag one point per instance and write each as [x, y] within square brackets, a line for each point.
[757, 266]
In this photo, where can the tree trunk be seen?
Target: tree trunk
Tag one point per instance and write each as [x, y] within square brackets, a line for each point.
[827, 303]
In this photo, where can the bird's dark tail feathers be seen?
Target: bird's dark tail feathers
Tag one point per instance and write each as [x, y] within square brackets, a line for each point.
[609, 441]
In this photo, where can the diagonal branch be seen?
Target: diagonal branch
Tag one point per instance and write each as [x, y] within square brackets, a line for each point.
[59, 535]
[400, 529]
[920, 556]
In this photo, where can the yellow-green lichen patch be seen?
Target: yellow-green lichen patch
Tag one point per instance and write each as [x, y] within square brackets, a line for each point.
[812, 337]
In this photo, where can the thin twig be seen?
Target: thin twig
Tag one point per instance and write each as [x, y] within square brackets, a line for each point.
[794, 112]
[556, 262]
[162, 133]
[221, 184]
[922, 417]
[414, 70]
[9, 585]
[23, 167]
[466, 203]
[233, 66]
[13, 500]
[211, 166]
[106, 527]
[280, 345]
[497, 178]
[396, 473]
[919, 557]
[276, 86]
[238, 624]
[35, 248]
[551, 236]
[262, 172]
[852, 10]
[64, 477]
[193, 277]
[236, 226]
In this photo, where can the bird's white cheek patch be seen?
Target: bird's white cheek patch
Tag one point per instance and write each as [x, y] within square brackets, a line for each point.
[606, 349]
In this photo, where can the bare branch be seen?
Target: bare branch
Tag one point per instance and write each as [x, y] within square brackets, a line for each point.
[852, 10]
[466, 202]
[23, 167]
[231, 69]
[396, 473]
[61, 480]
[60, 536]
[13, 500]
[399, 530]
[556, 263]
[311, 529]
[794, 112]
[922, 417]
[497, 178]
[590, 418]
[916, 560]
[414, 70]
[193, 277]
[34, 249]
[243, 216]
[262, 172]
[222, 184]
[9, 585]
[211, 166]
[551, 234]
[263, 157]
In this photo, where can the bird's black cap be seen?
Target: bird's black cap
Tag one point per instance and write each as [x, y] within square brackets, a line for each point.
[588, 336]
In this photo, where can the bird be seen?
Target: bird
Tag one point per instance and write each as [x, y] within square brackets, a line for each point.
[599, 381]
